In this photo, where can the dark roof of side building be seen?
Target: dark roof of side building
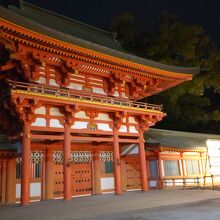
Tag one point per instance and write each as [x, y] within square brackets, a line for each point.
[77, 33]
[177, 139]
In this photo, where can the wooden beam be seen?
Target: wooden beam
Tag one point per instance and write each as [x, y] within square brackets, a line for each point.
[100, 139]
[46, 137]
[128, 140]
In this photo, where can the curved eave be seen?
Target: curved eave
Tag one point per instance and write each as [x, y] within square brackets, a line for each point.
[52, 37]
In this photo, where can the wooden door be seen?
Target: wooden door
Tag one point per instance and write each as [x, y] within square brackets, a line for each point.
[82, 178]
[58, 180]
[132, 173]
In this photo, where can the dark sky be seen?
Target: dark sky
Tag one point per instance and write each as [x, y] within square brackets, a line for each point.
[100, 12]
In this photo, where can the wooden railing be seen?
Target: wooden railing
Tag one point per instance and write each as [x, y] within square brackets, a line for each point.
[68, 93]
[183, 182]
[198, 182]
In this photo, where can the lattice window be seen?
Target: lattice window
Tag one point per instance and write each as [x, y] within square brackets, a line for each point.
[81, 156]
[58, 157]
[37, 157]
[106, 156]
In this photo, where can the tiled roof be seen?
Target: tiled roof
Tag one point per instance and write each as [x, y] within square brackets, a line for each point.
[178, 139]
[77, 33]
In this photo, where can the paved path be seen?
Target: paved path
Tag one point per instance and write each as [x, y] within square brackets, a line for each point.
[152, 205]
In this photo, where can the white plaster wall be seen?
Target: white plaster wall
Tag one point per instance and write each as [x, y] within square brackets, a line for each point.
[132, 120]
[103, 127]
[18, 190]
[132, 129]
[52, 82]
[79, 125]
[41, 80]
[55, 123]
[98, 90]
[153, 183]
[35, 189]
[116, 94]
[55, 112]
[123, 128]
[81, 114]
[123, 95]
[107, 183]
[75, 86]
[40, 122]
[104, 117]
[41, 110]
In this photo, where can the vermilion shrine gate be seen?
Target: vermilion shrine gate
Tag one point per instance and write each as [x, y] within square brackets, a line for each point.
[70, 93]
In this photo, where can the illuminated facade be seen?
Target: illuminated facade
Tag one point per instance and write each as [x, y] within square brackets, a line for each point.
[69, 96]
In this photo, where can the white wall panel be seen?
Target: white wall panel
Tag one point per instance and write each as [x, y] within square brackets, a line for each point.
[80, 125]
[103, 127]
[153, 183]
[123, 128]
[81, 114]
[98, 90]
[132, 120]
[104, 117]
[18, 191]
[55, 123]
[41, 80]
[35, 189]
[52, 82]
[75, 86]
[55, 112]
[132, 129]
[41, 110]
[107, 183]
[40, 122]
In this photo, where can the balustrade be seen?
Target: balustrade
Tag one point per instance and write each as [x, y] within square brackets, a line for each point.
[72, 94]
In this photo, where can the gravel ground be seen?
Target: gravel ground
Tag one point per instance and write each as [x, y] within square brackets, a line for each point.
[152, 205]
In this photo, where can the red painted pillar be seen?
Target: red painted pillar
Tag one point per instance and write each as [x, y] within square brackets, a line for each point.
[117, 163]
[25, 168]
[66, 163]
[144, 181]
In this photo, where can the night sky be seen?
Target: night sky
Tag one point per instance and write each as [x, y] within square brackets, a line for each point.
[100, 12]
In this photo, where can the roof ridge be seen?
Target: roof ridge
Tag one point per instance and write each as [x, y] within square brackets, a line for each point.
[22, 2]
